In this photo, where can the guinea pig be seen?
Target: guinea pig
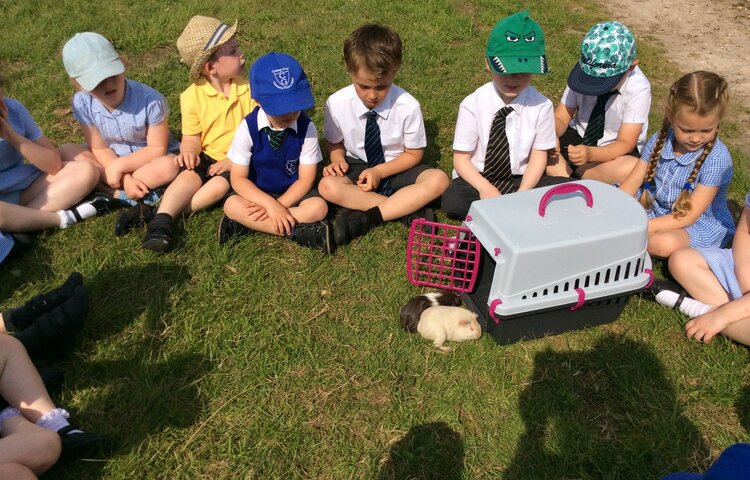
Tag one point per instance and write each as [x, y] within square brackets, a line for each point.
[443, 323]
[413, 309]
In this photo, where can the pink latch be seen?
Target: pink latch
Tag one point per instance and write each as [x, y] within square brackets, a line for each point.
[497, 251]
[493, 306]
[468, 218]
[581, 299]
[651, 277]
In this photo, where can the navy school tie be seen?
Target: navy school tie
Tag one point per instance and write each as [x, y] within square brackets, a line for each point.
[595, 128]
[374, 149]
[497, 159]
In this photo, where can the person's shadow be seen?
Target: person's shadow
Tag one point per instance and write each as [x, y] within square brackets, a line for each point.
[24, 264]
[742, 407]
[607, 412]
[429, 451]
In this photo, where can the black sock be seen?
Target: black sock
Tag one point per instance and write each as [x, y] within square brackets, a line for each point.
[374, 216]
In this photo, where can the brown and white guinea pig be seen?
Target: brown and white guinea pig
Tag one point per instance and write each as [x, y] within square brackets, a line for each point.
[443, 323]
[411, 312]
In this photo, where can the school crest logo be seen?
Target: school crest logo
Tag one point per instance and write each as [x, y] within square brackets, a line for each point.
[283, 80]
[291, 166]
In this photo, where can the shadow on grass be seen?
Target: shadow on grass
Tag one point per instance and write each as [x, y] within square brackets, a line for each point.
[120, 295]
[432, 150]
[607, 412]
[742, 407]
[429, 451]
[24, 264]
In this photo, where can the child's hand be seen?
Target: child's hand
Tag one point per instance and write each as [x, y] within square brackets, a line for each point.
[113, 174]
[134, 188]
[553, 154]
[217, 168]
[188, 160]
[369, 180]
[256, 212]
[705, 327]
[336, 169]
[489, 192]
[282, 220]
[579, 154]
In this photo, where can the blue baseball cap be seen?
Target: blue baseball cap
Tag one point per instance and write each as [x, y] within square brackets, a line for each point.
[279, 84]
[89, 58]
[732, 464]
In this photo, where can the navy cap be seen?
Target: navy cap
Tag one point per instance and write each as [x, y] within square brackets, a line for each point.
[279, 84]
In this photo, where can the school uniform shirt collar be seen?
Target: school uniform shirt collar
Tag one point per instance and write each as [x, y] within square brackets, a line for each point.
[125, 105]
[263, 122]
[667, 152]
[383, 108]
[235, 90]
[517, 103]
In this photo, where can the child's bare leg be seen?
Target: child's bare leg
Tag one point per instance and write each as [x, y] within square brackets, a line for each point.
[71, 152]
[614, 171]
[62, 190]
[29, 445]
[211, 192]
[15, 218]
[341, 191]
[310, 210]
[664, 243]
[236, 208]
[158, 171]
[738, 331]
[690, 269]
[430, 185]
[559, 168]
[20, 384]
[179, 193]
[15, 471]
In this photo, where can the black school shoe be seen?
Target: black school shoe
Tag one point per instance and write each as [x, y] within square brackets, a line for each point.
[135, 217]
[229, 229]
[79, 444]
[159, 235]
[102, 203]
[22, 317]
[349, 225]
[425, 212]
[660, 285]
[317, 235]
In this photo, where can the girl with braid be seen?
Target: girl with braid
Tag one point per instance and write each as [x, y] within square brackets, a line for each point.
[686, 169]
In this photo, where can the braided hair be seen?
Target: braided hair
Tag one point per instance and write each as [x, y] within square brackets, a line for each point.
[703, 93]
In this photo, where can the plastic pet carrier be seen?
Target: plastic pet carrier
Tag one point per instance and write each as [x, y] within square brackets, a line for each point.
[539, 262]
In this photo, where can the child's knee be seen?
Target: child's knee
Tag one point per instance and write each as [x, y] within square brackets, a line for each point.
[233, 207]
[16, 471]
[10, 346]
[330, 188]
[47, 450]
[683, 262]
[85, 173]
[317, 208]
[434, 180]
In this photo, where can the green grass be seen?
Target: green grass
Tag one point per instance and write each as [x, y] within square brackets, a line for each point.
[264, 360]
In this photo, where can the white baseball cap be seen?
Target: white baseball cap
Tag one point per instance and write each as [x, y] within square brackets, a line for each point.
[89, 58]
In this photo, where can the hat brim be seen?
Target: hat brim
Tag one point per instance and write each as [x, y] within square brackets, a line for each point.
[97, 75]
[281, 104]
[197, 66]
[585, 84]
[536, 65]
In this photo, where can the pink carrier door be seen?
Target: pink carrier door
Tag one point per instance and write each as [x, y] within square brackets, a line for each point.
[442, 256]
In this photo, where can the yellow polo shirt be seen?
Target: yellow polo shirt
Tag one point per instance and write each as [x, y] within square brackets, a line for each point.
[213, 116]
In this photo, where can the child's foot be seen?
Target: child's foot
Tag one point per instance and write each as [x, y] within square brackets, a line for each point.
[229, 229]
[134, 217]
[22, 317]
[671, 295]
[101, 204]
[349, 225]
[159, 234]
[314, 235]
[425, 212]
[79, 444]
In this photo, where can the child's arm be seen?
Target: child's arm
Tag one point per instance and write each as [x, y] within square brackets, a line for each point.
[534, 169]
[370, 178]
[627, 138]
[190, 151]
[157, 139]
[299, 189]
[39, 152]
[465, 169]
[634, 180]
[563, 116]
[701, 198]
[337, 155]
[279, 214]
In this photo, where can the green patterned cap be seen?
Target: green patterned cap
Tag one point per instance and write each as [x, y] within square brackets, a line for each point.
[516, 45]
[607, 52]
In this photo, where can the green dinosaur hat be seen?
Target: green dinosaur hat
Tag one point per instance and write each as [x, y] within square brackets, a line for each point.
[516, 45]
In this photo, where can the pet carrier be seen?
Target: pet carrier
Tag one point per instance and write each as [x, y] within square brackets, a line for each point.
[539, 262]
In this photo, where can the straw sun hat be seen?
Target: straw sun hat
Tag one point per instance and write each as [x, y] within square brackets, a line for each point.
[200, 39]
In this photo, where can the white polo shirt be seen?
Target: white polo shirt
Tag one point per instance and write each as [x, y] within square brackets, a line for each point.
[240, 152]
[630, 106]
[399, 118]
[531, 125]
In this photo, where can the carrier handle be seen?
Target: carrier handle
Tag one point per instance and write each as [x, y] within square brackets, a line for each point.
[493, 306]
[561, 190]
[581, 299]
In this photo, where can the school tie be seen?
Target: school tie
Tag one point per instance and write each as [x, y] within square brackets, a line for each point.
[497, 159]
[595, 128]
[275, 137]
[374, 149]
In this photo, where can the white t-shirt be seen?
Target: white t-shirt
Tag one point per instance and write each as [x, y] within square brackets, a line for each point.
[399, 119]
[630, 106]
[240, 152]
[531, 125]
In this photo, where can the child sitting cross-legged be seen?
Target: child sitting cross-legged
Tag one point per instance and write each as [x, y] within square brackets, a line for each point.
[274, 157]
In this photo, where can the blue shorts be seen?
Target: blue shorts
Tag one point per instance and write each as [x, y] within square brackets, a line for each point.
[721, 263]
[13, 197]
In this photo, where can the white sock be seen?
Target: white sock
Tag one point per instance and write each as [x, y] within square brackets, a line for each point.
[689, 306]
[66, 218]
[85, 210]
[55, 420]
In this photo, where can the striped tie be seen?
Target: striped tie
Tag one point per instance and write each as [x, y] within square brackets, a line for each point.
[497, 159]
[595, 127]
[374, 149]
[275, 137]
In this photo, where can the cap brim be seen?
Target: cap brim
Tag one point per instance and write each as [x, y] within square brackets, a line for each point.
[286, 103]
[536, 65]
[90, 80]
[585, 84]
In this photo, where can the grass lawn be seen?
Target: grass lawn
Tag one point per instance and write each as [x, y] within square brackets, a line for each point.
[261, 359]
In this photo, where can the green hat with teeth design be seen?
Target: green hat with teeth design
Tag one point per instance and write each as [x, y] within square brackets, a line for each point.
[516, 45]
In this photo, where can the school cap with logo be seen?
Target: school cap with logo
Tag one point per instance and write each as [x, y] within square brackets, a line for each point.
[607, 52]
[279, 84]
[732, 464]
[516, 45]
[89, 58]
[200, 39]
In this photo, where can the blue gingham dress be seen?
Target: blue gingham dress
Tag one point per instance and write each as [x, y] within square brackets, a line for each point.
[715, 226]
[721, 263]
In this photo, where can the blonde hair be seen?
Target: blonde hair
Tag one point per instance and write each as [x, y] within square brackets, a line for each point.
[702, 93]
